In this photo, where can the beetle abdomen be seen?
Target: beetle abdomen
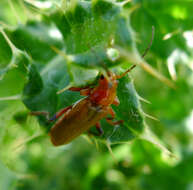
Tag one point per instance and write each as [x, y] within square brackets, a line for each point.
[76, 121]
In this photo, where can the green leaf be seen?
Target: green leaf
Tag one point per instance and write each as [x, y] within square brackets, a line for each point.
[121, 134]
[34, 85]
[86, 24]
[129, 109]
[124, 34]
[36, 38]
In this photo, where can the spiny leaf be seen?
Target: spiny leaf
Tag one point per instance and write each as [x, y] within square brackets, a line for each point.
[129, 109]
[34, 85]
[19, 59]
[36, 38]
[86, 25]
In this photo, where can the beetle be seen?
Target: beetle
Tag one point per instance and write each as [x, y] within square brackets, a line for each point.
[87, 112]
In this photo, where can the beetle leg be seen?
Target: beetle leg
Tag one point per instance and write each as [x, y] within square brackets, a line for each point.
[112, 113]
[114, 122]
[116, 101]
[46, 114]
[85, 91]
[99, 128]
[78, 88]
[109, 119]
[60, 113]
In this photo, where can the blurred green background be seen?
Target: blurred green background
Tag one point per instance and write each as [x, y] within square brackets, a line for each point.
[27, 158]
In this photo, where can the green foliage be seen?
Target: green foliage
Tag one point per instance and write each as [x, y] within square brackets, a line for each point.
[46, 46]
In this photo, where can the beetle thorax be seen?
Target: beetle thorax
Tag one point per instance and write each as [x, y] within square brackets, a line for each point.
[105, 93]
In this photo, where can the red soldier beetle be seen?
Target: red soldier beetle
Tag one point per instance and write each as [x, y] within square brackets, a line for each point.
[87, 112]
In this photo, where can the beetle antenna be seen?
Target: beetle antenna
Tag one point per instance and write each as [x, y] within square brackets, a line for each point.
[127, 71]
[150, 44]
[144, 54]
